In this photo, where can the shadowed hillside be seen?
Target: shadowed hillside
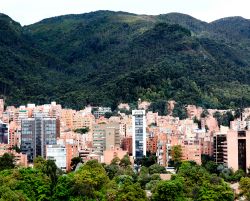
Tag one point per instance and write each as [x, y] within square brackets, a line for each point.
[107, 57]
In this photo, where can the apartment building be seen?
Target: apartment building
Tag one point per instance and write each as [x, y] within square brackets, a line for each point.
[36, 133]
[105, 137]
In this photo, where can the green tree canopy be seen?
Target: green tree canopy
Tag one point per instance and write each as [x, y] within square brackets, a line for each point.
[7, 161]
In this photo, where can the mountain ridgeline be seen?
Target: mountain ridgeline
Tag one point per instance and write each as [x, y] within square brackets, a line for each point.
[104, 58]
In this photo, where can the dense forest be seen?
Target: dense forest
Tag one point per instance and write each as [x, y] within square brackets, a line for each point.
[92, 181]
[104, 58]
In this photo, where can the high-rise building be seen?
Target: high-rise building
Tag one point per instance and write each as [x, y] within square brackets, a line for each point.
[238, 149]
[36, 133]
[232, 148]
[139, 133]
[4, 133]
[220, 148]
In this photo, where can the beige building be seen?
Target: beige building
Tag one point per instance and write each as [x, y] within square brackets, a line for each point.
[77, 120]
[232, 148]
[20, 159]
[67, 117]
[109, 155]
[105, 137]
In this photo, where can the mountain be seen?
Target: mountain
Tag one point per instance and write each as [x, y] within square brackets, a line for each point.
[26, 72]
[109, 57]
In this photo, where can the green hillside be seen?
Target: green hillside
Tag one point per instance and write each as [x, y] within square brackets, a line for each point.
[108, 57]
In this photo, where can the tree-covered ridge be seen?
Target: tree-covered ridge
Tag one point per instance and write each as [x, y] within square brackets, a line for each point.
[116, 182]
[105, 57]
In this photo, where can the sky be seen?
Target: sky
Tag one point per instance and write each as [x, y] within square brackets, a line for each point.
[31, 11]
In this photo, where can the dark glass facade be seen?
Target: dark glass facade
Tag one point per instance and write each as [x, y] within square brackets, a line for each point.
[4, 133]
[36, 133]
[242, 161]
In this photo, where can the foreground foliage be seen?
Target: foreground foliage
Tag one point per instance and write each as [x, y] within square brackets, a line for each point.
[115, 182]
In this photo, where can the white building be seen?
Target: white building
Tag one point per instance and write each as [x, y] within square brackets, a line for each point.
[139, 133]
[58, 154]
[101, 111]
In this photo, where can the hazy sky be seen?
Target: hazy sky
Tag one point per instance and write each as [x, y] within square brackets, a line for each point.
[31, 11]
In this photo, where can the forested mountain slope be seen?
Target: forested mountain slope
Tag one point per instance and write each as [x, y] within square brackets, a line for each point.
[108, 57]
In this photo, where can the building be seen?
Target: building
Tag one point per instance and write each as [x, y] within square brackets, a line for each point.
[58, 154]
[127, 145]
[19, 158]
[232, 148]
[106, 137]
[238, 149]
[21, 113]
[101, 111]
[72, 145]
[109, 155]
[124, 106]
[163, 150]
[220, 148]
[36, 133]
[77, 121]
[139, 133]
[4, 133]
[152, 144]
[67, 117]
[191, 151]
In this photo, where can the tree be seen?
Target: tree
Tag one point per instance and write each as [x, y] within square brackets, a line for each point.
[211, 167]
[89, 180]
[180, 111]
[223, 119]
[82, 130]
[50, 169]
[218, 192]
[156, 168]
[169, 190]
[127, 190]
[176, 154]
[237, 113]
[108, 115]
[63, 189]
[148, 160]
[39, 162]
[159, 106]
[27, 183]
[200, 185]
[7, 194]
[74, 162]
[16, 148]
[7, 161]
[112, 170]
[245, 187]
[125, 161]
[197, 121]
[238, 174]
[115, 161]
[204, 113]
